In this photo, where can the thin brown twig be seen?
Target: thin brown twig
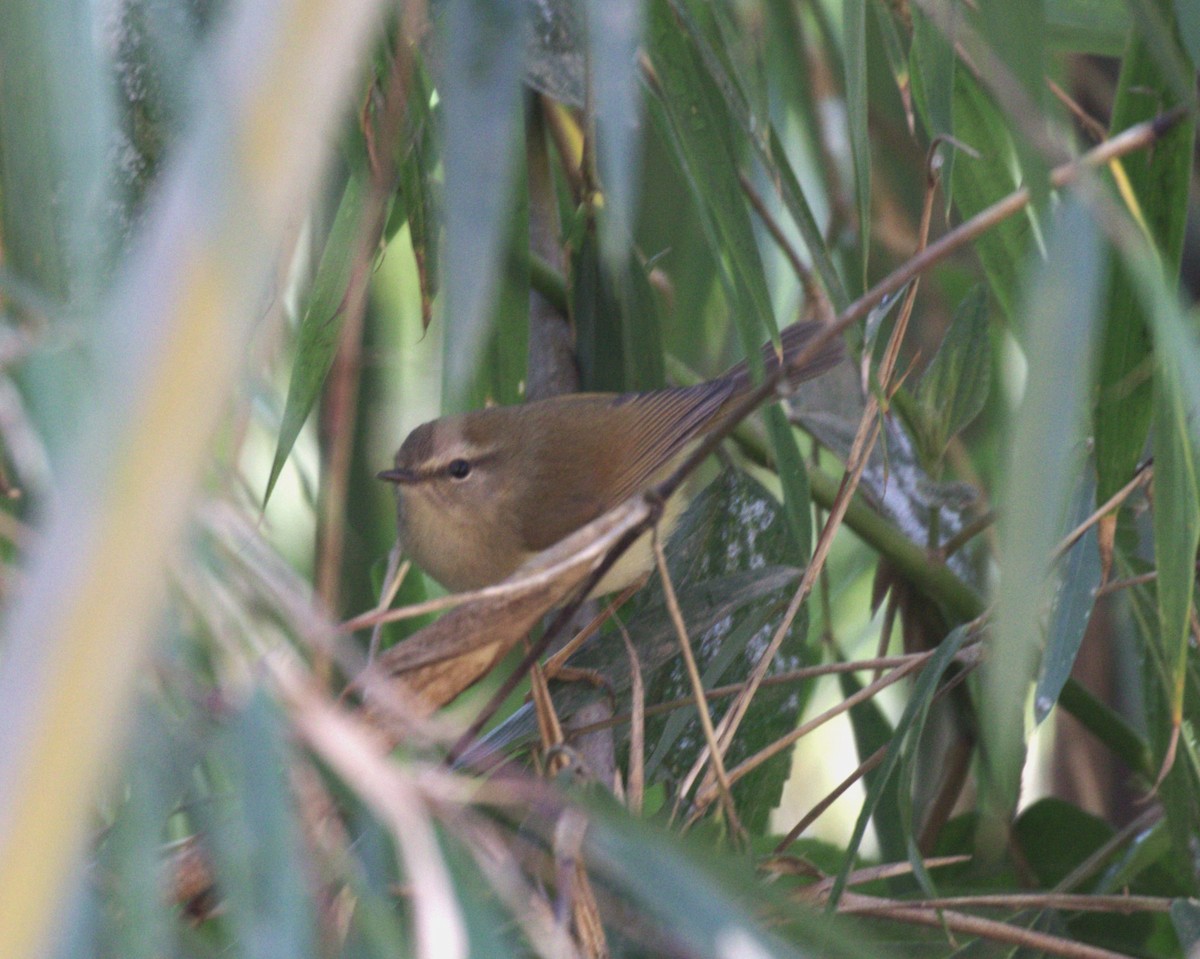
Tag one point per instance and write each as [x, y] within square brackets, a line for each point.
[1140, 478]
[767, 752]
[693, 672]
[974, 925]
[1119, 584]
[1041, 900]
[635, 779]
[813, 292]
[869, 764]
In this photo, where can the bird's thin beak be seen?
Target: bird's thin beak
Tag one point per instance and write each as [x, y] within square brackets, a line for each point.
[396, 475]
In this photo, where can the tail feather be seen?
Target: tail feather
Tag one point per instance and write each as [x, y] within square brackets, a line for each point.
[794, 340]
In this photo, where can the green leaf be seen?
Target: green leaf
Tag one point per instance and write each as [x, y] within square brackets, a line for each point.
[734, 526]
[933, 68]
[1072, 610]
[256, 843]
[1062, 304]
[55, 114]
[1176, 520]
[909, 726]
[978, 182]
[500, 371]
[706, 903]
[1016, 32]
[872, 731]
[481, 102]
[1160, 181]
[955, 385]
[1088, 26]
[854, 29]
[700, 124]
[599, 338]
[321, 323]
[1185, 917]
[614, 33]
[1187, 16]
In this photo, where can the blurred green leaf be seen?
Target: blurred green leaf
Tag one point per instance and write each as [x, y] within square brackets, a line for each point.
[1016, 32]
[500, 372]
[710, 913]
[321, 324]
[955, 385]
[420, 200]
[1160, 182]
[1062, 300]
[872, 731]
[1072, 611]
[1185, 917]
[481, 102]
[904, 742]
[1176, 520]
[978, 182]
[1187, 16]
[55, 218]
[614, 34]
[854, 29]
[733, 526]
[255, 837]
[933, 67]
[1088, 26]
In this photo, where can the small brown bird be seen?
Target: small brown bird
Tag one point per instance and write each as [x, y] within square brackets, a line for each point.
[480, 493]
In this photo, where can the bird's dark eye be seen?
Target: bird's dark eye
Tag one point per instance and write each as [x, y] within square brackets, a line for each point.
[459, 469]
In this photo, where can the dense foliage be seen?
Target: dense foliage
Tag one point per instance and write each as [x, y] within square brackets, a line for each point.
[941, 600]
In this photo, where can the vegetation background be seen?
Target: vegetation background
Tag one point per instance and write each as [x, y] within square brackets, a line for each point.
[942, 601]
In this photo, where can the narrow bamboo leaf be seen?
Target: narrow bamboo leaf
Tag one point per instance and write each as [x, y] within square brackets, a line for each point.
[618, 338]
[1160, 181]
[490, 932]
[1177, 400]
[872, 731]
[955, 385]
[256, 839]
[801, 212]
[734, 526]
[599, 340]
[321, 323]
[702, 900]
[420, 200]
[481, 100]
[614, 32]
[499, 376]
[1016, 31]
[641, 327]
[908, 725]
[700, 125]
[1088, 26]
[1176, 522]
[700, 122]
[1061, 304]
[893, 47]
[1187, 16]
[854, 31]
[978, 182]
[1073, 604]
[1185, 917]
[933, 67]
[57, 121]
[769, 150]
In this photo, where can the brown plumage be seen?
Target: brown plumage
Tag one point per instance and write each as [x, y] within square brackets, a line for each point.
[481, 492]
